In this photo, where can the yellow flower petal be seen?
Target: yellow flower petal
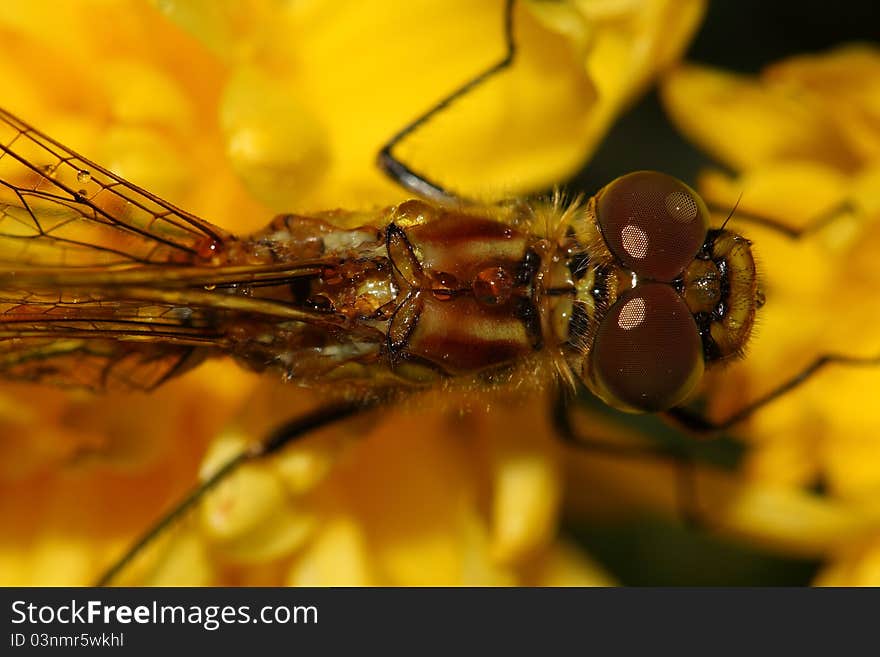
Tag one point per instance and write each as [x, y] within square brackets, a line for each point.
[531, 126]
[278, 148]
[525, 503]
[857, 565]
[303, 467]
[144, 95]
[479, 565]
[794, 521]
[526, 485]
[743, 123]
[792, 192]
[249, 516]
[414, 524]
[133, 153]
[184, 561]
[337, 556]
[566, 565]
[845, 84]
[851, 452]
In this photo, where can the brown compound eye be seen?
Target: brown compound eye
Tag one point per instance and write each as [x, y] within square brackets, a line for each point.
[647, 354]
[654, 224]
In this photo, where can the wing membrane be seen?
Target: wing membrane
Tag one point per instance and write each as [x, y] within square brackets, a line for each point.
[59, 209]
[70, 339]
[100, 365]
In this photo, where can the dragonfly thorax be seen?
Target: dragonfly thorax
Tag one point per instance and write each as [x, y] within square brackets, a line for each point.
[412, 294]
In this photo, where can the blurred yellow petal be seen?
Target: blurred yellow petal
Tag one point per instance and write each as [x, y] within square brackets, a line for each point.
[62, 561]
[866, 190]
[303, 466]
[144, 95]
[793, 192]
[782, 455]
[634, 41]
[133, 154]
[794, 521]
[414, 523]
[743, 122]
[220, 25]
[22, 457]
[184, 561]
[278, 148]
[525, 502]
[337, 556]
[858, 565]
[851, 452]
[97, 470]
[845, 84]
[479, 565]
[566, 565]
[526, 485]
[249, 516]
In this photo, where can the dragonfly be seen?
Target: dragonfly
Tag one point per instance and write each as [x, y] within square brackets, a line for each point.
[629, 293]
[107, 286]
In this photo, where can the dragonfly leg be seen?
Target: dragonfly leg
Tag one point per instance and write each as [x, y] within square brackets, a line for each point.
[817, 223]
[416, 182]
[284, 435]
[699, 423]
[681, 459]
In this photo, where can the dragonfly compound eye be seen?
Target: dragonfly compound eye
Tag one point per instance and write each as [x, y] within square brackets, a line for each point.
[647, 353]
[653, 223]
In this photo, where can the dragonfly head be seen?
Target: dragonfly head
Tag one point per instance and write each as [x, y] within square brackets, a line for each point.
[666, 296]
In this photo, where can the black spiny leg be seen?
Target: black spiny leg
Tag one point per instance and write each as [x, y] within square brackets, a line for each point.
[813, 226]
[698, 423]
[416, 182]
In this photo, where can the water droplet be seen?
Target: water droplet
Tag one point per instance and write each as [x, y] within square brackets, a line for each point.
[443, 285]
[493, 286]
[83, 176]
[207, 249]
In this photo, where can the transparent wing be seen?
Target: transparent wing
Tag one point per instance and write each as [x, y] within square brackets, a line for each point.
[104, 285]
[74, 340]
[99, 365]
[59, 209]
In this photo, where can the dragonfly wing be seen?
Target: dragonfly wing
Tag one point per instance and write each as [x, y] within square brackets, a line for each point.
[105, 285]
[94, 364]
[59, 209]
[64, 338]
